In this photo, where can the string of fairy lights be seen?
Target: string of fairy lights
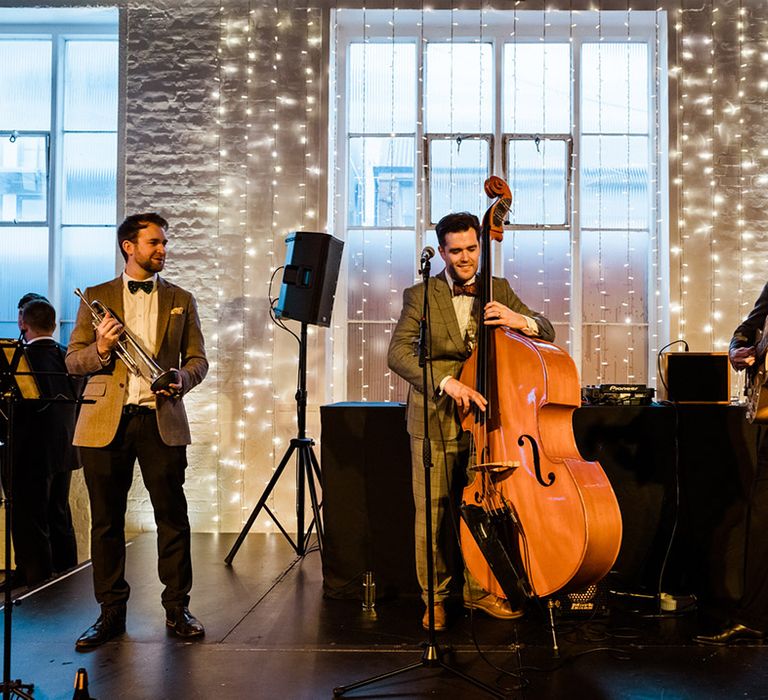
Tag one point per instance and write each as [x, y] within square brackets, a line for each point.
[657, 314]
[677, 155]
[392, 293]
[360, 313]
[743, 260]
[714, 198]
[334, 196]
[601, 290]
[256, 88]
[542, 269]
[264, 112]
[703, 146]
[627, 304]
[233, 62]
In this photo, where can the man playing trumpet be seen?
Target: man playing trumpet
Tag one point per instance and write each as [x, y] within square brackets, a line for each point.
[129, 421]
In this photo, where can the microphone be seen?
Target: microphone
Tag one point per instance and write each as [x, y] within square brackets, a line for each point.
[427, 254]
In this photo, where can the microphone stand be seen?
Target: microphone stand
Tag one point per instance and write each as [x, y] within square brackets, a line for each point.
[432, 655]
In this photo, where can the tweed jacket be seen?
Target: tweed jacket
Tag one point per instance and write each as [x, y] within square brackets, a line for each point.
[179, 344]
[448, 351]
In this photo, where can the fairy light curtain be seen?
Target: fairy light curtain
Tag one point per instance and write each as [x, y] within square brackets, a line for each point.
[271, 163]
[557, 101]
[370, 188]
[718, 169]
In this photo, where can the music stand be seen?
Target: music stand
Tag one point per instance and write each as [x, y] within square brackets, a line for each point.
[17, 383]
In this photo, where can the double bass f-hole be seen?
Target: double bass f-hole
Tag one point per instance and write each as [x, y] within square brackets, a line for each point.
[536, 460]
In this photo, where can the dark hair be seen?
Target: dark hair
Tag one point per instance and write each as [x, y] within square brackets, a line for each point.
[129, 229]
[30, 296]
[39, 315]
[454, 223]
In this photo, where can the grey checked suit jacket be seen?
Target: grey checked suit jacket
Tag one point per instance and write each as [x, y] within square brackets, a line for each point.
[179, 344]
[449, 351]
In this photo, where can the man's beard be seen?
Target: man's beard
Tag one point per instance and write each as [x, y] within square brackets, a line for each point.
[152, 266]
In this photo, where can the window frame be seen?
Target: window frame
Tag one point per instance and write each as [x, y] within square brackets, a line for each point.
[53, 25]
[16, 134]
[647, 27]
[568, 179]
[427, 140]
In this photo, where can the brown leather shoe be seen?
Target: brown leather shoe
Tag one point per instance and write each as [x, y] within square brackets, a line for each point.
[732, 634]
[440, 623]
[494, 606]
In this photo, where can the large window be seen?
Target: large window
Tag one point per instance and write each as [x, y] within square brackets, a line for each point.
[58, 156]
[566, 108]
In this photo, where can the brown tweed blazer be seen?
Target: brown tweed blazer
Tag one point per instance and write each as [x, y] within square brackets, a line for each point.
[449, 351]
[179, 344]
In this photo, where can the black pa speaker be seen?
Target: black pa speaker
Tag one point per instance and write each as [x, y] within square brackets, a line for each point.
[311, 271]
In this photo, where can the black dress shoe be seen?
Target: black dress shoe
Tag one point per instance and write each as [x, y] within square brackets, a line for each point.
[732, 634]
[183, 623]
[111, 623]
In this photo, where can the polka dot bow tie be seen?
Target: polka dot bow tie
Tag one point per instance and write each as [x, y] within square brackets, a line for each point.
[134, 287]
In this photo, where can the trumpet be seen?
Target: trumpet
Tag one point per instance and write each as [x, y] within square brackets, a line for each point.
[130, 350]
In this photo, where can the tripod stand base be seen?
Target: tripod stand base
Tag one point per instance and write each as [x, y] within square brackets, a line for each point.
[431, 658]
[307, 471]
[17, 689]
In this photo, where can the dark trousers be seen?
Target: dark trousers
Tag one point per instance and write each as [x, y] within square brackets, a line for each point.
[108, 476]
[753, 609]
[43, 536]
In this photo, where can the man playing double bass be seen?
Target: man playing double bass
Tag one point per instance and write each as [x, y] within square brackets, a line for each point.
[452, 331]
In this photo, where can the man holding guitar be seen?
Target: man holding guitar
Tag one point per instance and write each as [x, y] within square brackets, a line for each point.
[749, 622]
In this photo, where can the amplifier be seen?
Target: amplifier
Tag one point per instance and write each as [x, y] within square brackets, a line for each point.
[617, 395]
[697, 377]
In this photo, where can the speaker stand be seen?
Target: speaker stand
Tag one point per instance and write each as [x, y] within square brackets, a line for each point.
[307, 470]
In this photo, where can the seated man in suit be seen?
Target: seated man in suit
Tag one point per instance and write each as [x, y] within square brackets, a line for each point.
[43, 536]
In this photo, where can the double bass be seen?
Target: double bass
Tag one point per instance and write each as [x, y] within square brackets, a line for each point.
[537, 518]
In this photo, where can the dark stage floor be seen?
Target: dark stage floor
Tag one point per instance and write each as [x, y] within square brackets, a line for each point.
[271, 634]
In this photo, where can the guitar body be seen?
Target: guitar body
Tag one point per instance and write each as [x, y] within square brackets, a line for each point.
[754, 386]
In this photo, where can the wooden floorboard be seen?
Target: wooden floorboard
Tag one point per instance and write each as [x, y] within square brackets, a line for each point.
[271, 634]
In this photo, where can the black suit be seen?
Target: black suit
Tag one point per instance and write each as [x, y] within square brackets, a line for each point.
[43, 459]
[753, 608]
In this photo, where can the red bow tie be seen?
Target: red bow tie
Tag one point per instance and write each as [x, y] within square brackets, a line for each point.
[468, 289]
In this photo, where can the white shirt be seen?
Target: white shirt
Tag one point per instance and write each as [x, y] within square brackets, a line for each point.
[462, 305]
[40, 337]
[140, 317]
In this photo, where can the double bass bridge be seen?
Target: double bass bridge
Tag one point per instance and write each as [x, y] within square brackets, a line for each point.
[496, 467]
